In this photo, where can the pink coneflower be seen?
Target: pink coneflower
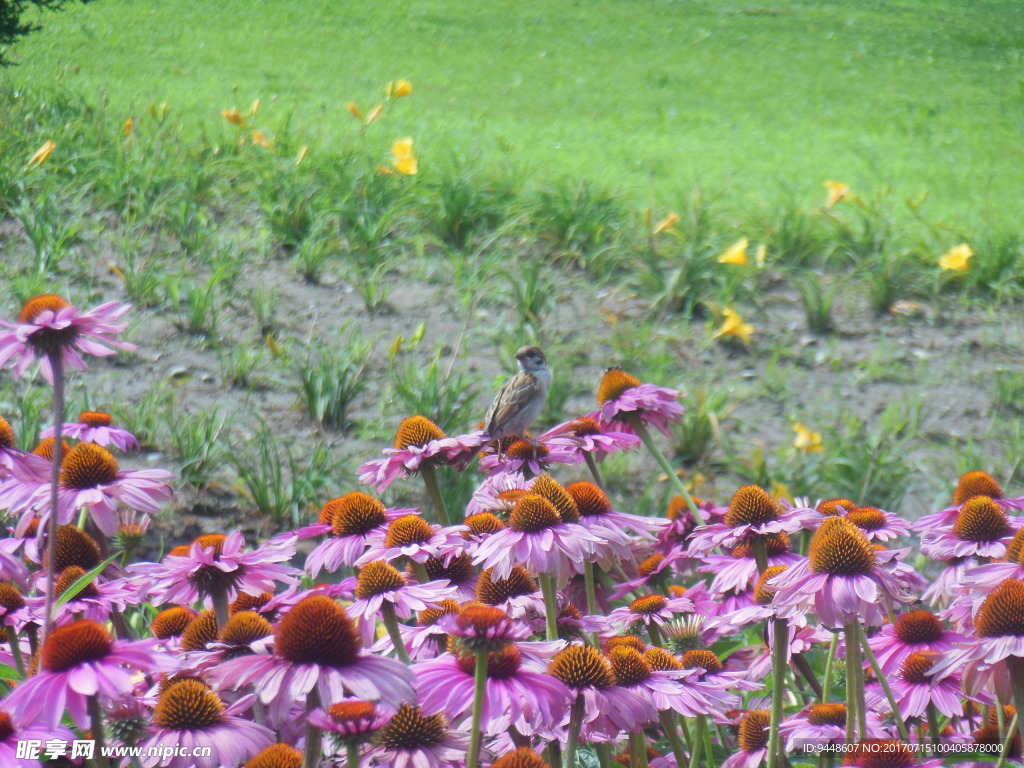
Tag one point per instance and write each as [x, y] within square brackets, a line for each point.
[48, 325]
[914, 689]
[427, 639]
[971, 484]
[843, 578]
[351, 720]
[412, 740]
[752, 513]
[419, 441]
[316, 645]
[380, 583]
[752, 743]
[623, 397]
[96, 601]
[16, 462]
[714, 682]
[189, 714]
[681, 522]
[538, 539]
[245, 633]
[523, 455]
[516, 694]
[658, 675]
[653, 572]
[498, 493]
[981, 529]
[14, 729]
[913, 631]
[77, 662]
[351, 519]
[650, 609]
[413, 537]
[585, 435]
[483, 627]
[518, 593]
[13, 607]
[91, 478]
[609, 708]
[821, 724]
[877, 524]
[737, 571]
[96, 427]
[598, 516]
[950, 580]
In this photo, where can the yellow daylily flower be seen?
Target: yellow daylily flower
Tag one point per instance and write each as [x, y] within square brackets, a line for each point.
[404, 161]
[233, 116]
[374, 113]
[399, 88]
[837, 192]
[354, 110]
[759, 254]
[806, 440]
[780, 491]
[956, 258]
[40, 156]
[667, 223]
[736, 253]
[734, 327]
[261, 140]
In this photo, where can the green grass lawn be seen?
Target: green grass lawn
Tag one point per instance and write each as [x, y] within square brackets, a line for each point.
[647, 97]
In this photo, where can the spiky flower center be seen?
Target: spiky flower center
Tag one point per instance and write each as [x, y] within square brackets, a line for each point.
[629, 666]
[1002, 613]
[75, 547]
[11, 598]
[352, 711]
[1015, 549]
[775, 544]
[458, 571]
[976, 484]
[705, 659]
[915, 667]
[276, 756]
[839, 548]
[378, 577]
[660, 659]
[830, 713]
[247, 602]
[678, 509]
[881, 753]
[624, 641]
[35, 306]
[95, 418]
[648, 605]
[582, 666]
[357, 514]
[317, 631]
[590, 500]
[867, 518]
[6, 727]
[430, 616]
[410, 730]
[200, 632]
[762, 594]
[533, 513]
[483, 524]
[501, 664]
[496, 592]
[45, 448]
[245, 627]
[835, 507]
[480, 619]
[68, 577]
[918, 627]
[88, 465]
[523, 757]
[981, 519]
[614, 384]
[584, 426]
[172, 622]
[77, 643]
[751, 505]
[524, 450]
[417, 430]
[511, 496]
[408, 530]
[188, 706]
[561, 500]
[649, 565]
[214, 541]
[754, 730]
[7, 436]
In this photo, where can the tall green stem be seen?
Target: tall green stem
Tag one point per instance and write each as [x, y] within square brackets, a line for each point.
[15, 643]
[594, 471]
[314, 736]
[1015, 664]
[1007, 742]
[655, 633]
[352, 751]
[697, 742]
[479, 691]
[221, 607]
[429, 475]
[588, 576]
[547, 588]
[57, 366]
[668, 725]
[829, 661]
[884, 680]
[760, 552]
[780, 651]
[852, 693]
[573, 737]
[636, 422]
[391, 624]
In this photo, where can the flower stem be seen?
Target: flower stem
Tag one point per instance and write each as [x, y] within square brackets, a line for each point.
[573, 738]
[801, 663]
[221, 607]
[668, 725]
[420, 571]
[547, 587]
[760, 552]
[885, 686]
[391, 624]
[634, 420]
[933, 724]
[656, 639]
[592, 466]
[96, 727]
[57, 366]
[604, 755]
[829, 661]
[698, 742]
[314, 736]
[479, 691]
[352, 750]
[588, 576]
[780, 650]
[1015, 664]
[707, 744]
[1007, 742]
[852, 691]
[429, 475]
[12, 640]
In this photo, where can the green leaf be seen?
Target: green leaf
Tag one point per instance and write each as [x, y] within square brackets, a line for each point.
[83, 581]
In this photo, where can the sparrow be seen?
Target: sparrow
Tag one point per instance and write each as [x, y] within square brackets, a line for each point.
[519, 402]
